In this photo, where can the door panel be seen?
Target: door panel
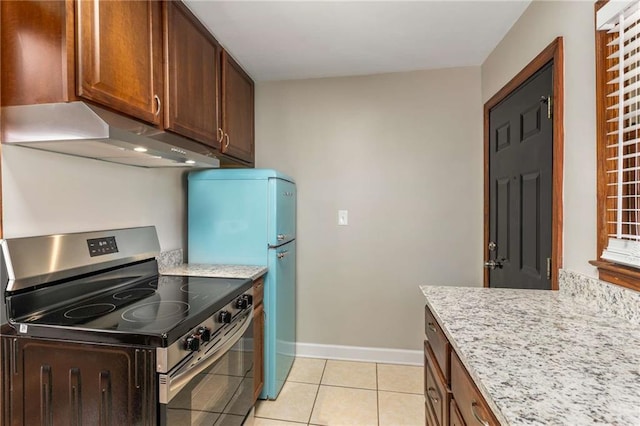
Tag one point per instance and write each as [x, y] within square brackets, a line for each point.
[520, 176]
[192, 69]
[280, 325]
[282, 212]
[237, 110]
[118, 67]
[503, 222]
[530, 229]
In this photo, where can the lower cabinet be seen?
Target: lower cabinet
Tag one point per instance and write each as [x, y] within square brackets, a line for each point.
[258, 338]
[455, 418]
[451, 397]
[473, 409]
[48, 382]
[437, 390]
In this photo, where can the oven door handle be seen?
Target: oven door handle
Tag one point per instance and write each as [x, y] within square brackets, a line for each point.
[171, 384]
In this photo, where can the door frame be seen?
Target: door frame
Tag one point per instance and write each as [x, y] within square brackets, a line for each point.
[553, 52]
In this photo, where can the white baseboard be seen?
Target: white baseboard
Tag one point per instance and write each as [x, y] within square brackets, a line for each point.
[357, 353]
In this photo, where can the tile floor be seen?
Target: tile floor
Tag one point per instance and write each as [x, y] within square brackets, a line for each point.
[345, 393]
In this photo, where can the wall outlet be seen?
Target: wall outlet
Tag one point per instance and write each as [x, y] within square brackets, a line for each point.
[343, 217]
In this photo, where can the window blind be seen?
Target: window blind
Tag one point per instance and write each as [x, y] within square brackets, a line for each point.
[621, 19]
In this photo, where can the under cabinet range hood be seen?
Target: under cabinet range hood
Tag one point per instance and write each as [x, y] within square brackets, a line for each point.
[84, 130]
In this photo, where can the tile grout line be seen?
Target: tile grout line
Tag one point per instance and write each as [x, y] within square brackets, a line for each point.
[313, 406]
[377, 395]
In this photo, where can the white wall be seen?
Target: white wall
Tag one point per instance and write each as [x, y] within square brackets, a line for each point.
[539, 25]
[46, 193]
[402, 153]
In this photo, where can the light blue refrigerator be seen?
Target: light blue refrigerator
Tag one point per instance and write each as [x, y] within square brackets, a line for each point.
[248, 216]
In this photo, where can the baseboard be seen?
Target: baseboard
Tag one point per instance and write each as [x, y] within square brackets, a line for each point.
[356, 353]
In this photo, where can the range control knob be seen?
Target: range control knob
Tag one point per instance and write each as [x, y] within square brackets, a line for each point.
[224, 317]
[248, 298]
[192, 343]
[242, 303]
[205, 334]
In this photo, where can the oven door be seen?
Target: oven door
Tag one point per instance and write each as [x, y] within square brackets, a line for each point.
[216, 391]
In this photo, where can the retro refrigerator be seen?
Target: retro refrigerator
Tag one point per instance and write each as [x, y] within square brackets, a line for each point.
[248, 217]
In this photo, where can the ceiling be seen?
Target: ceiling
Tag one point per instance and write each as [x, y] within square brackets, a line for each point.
[282, 40]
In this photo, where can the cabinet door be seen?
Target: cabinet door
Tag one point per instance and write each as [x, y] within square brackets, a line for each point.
[258, 347]
[471, 405]
[192, 76]
[237, 111]
[119, 61]
[455, 418]
[74, 384]
[37, 52]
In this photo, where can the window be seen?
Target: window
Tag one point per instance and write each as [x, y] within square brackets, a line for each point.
[618, 99]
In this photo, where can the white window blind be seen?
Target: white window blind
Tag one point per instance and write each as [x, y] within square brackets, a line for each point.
[622, 21]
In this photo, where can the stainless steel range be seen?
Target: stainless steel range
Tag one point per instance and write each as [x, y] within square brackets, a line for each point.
[94, 335]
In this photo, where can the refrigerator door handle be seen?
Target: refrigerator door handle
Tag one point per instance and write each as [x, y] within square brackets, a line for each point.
[282, 254]
[281, 237]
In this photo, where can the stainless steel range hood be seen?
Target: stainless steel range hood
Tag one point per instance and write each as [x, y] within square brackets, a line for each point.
[84, 130]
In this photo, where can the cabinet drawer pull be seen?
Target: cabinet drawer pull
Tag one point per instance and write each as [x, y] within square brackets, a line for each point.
[474, 410]
[226, 136]
[220, 135]
[432, 327]
[158, 104]
[430, 392]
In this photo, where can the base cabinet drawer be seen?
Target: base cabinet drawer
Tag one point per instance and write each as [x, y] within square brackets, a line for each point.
[436, 393]
[455, 418]
[439, 343]
[473, 409]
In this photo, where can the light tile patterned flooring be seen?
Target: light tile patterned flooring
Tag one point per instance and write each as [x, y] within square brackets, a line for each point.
[345, 393]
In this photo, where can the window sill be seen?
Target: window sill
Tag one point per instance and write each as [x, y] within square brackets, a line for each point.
[624, 276]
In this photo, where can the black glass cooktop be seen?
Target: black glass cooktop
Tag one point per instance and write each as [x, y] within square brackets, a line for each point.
[161, 306]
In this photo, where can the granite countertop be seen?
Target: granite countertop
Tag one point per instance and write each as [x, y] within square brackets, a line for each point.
[216, 271]
[542, 358]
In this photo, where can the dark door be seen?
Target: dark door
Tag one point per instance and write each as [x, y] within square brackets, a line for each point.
[520, 185]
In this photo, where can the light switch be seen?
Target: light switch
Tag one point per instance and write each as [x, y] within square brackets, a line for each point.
[343, 217]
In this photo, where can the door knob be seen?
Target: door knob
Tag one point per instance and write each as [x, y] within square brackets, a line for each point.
[493, 264]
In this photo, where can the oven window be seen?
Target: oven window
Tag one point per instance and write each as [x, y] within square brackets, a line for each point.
[222, 395]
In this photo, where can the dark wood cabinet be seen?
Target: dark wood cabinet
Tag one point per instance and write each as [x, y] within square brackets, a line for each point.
[437, 392]
[471, 405]
[119, 62]
[258, 338]
[192, 70]
[455, 418]
[451, 397]
[237, 111]
[37, 52]
[70, 383]
[151, 60]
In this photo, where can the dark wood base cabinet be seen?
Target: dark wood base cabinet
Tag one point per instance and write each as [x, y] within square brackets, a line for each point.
[258, 338]
[48, 382]
[451, 397]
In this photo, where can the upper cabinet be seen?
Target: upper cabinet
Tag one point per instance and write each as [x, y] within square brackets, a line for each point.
[192, 70]
[237, 110]
[119, 60]
[151, 60]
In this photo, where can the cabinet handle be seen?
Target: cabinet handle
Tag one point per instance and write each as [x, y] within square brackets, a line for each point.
[220, 135]
[474, 410]
[432, 327]
[226, 136]
[430, 391]
[158, 104]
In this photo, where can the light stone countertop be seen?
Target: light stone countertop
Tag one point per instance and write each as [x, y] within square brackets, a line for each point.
[541, 357]
[215, 271]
